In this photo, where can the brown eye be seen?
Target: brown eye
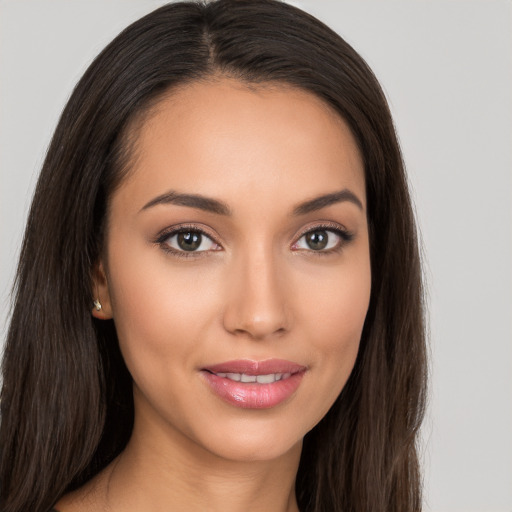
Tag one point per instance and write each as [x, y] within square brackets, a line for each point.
[322, 240]
[189, 240]
[317, 240]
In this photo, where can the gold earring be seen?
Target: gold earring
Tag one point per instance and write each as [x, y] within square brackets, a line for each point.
[97, 304]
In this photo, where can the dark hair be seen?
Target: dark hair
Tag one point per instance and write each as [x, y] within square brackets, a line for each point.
[66, 402]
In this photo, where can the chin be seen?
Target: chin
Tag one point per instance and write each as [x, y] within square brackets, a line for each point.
[252, 440]
[255, 449]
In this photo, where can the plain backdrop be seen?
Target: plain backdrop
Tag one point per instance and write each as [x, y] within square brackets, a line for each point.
[446, 67]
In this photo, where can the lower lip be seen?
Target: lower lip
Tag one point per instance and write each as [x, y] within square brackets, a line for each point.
[253, 395]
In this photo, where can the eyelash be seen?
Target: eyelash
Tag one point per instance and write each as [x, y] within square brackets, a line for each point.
[344, 235]
[184, 228]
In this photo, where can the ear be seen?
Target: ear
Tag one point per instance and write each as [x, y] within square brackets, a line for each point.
[102, 308]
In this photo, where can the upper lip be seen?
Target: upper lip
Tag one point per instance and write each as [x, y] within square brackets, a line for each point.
[251, 367]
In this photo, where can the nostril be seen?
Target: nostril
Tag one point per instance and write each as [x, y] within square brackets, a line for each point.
[256, 306]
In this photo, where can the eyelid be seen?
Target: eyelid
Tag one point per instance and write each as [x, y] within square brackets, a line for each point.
[168, 232]
[345, 235]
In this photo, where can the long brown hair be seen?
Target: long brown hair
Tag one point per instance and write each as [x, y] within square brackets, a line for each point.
[66, 402]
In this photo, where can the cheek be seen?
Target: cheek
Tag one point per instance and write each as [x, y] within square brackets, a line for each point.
[342, 312]
[156, 309]
[336, 300]
[336, 315]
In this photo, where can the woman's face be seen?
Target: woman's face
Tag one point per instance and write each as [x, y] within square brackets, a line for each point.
[237, 267]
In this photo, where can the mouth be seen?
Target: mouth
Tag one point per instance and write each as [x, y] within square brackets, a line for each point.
[254, 384]
[268, 378]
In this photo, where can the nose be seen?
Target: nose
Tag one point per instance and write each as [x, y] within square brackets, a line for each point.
[257, 292]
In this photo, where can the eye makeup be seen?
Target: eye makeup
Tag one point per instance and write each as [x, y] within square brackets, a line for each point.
[194, 241]
[330, 238]
[188, 239]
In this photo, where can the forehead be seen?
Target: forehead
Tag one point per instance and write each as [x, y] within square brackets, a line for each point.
[221, 136]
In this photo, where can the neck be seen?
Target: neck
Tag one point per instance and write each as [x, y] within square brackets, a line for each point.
[166, 471]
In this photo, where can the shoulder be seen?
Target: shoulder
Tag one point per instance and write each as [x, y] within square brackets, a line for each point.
[92, 496]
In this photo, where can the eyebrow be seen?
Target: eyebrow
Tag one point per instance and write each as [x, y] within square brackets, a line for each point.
[327, 200]
[192, 200]
[211, 205]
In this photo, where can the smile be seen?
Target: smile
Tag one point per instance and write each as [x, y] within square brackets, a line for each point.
[254, 384]
[260, 379]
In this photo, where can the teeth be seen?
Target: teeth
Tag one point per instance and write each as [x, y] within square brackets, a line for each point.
[260, 379]
[266, 379]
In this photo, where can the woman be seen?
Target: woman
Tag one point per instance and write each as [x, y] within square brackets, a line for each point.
[218, 302]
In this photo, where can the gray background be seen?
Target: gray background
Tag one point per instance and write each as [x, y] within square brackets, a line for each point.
[446, 68]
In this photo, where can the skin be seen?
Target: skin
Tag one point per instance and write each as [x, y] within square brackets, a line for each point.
[257, 291]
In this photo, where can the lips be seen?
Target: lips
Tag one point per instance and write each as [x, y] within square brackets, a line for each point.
[254, 384]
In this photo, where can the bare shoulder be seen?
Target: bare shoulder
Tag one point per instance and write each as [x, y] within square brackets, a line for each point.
[90, 497]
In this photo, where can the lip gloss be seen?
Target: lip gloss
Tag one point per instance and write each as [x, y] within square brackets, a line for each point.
[254, 384]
